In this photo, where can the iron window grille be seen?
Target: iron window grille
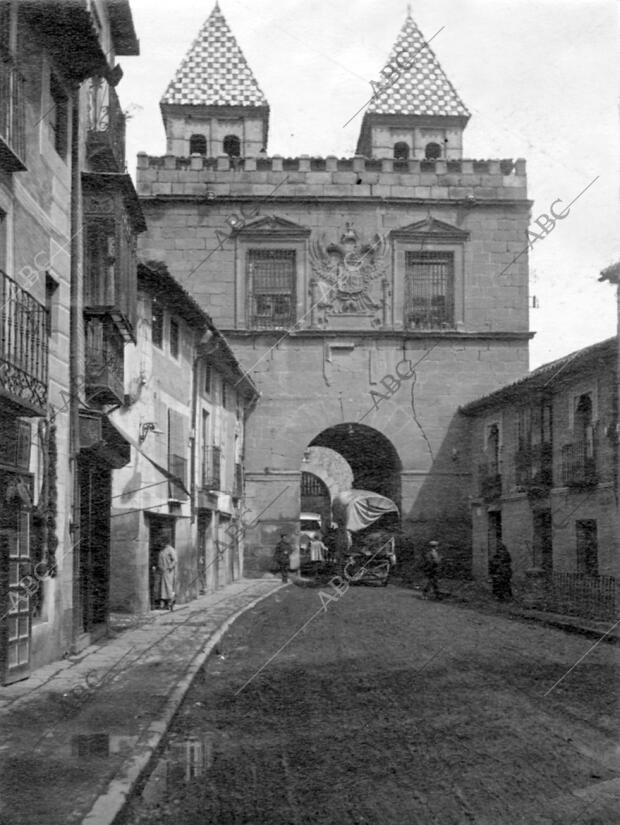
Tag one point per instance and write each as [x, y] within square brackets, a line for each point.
[429, 290]
[271, 284]
[312, 485]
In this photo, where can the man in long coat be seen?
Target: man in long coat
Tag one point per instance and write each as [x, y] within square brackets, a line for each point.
[167, 565]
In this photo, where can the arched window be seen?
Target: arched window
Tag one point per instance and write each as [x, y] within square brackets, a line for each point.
[232, 146]
[198, 145]
[401, 150]
[432, 151]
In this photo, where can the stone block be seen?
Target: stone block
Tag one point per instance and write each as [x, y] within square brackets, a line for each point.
[344, 177]
[162, 189]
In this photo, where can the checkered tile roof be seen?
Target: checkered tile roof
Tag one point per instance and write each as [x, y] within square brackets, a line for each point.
[412, 81]
[214, 71]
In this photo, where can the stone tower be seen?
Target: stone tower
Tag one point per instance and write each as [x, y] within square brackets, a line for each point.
[415, 111]
[369, 297]
[213, 104]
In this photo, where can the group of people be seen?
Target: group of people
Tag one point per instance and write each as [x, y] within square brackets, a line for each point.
[500, 566]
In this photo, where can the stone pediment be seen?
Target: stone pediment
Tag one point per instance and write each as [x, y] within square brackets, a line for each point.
[430, 228]
[272, 225]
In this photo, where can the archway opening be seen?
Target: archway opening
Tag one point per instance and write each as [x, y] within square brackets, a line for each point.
[401, 150]
[232, 146]
[374, 462]
[198, 145]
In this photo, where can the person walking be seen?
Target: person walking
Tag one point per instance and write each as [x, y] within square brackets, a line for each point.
[167, 565]
[430, 567]
[282, 556]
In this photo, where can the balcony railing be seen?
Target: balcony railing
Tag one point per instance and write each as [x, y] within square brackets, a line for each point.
[238, 482]
[105, 141]
[533, 466]
[104, 361]
[212, 468]
[579, 465]
[490, 481]
[23, 348]
[12, 116]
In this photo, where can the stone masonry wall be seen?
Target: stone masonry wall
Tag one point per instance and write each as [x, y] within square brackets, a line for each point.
[322, 372]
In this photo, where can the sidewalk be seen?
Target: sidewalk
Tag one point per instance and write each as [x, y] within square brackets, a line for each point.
[474, 595]
[77, 735]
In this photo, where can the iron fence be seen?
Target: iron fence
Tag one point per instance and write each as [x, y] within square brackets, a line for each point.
[582, 595]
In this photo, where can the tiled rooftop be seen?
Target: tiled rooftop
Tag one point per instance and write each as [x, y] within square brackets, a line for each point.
[214, 71]
[422, 89]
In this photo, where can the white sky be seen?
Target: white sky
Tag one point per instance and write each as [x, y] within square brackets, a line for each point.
[540, 78]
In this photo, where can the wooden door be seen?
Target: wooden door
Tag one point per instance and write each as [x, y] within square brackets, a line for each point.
[16, 582]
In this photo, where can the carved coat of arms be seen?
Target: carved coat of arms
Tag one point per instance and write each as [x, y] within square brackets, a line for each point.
[347, 271]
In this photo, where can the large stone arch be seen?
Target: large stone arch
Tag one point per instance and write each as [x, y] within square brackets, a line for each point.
[373, 459]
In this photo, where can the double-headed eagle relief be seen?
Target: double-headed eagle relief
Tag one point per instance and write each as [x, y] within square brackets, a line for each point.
[346, 271]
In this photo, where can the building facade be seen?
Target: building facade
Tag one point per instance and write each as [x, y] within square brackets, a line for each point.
[545, 454]
[68, 222]
[368, 297]
[187, 401]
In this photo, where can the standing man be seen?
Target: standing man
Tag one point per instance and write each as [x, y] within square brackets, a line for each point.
[430, 566]
[167, 564]
[282, 556]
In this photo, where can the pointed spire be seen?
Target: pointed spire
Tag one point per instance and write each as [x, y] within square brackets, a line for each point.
[412, 81]
[214, 72]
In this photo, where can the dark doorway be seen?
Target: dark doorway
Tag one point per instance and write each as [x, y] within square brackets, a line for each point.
[94, 547]
[205, 573]
[587, 547]
[494, 532]
[543, 542]
[161, 530]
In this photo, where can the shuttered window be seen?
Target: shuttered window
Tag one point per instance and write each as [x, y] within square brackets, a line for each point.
[178, 431]
[429, 290]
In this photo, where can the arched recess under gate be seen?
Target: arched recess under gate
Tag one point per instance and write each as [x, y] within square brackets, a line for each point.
[373, 459]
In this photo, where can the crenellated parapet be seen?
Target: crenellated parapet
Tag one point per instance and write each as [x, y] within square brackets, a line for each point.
[356, 177]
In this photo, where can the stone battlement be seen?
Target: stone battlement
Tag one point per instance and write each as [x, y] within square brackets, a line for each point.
[330, 177]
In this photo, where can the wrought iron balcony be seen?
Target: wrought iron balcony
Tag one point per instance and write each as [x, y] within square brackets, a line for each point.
[579, 465]
[105, 140]
[212, 468]
[490, 481]
[533, 466]
[12, 116]
[23, 349]
[104, 366]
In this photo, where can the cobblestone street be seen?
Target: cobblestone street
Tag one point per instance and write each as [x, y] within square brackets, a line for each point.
[389, 709]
